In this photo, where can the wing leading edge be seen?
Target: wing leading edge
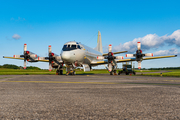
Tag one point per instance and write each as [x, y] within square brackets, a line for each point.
[130, 59]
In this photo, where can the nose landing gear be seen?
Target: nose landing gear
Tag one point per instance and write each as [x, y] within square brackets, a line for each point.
[72, 72]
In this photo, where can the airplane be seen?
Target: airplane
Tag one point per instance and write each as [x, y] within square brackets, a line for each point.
[74, 54]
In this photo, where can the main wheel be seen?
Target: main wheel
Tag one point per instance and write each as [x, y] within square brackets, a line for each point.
[127, 73]
[111, 73]
[134, 73]
[61, 72]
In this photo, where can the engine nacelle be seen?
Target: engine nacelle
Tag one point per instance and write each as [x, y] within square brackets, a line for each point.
[58, 57]
[33, 55]
[149, 54]
[100, 57]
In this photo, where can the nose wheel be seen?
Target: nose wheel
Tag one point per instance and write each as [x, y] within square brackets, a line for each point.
[113, 72]
[72, 72]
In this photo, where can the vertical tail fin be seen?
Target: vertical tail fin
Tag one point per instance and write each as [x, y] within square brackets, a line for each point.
[99, 43]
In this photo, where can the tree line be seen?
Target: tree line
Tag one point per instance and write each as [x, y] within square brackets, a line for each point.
[10, 66]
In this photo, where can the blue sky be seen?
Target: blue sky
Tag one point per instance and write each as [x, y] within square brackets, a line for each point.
[40, 23]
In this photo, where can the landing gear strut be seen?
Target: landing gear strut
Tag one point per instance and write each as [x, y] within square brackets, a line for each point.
[59, 71]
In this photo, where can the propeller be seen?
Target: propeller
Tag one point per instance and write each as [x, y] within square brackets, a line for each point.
[51, 57]
[139, 55]
[111, 58]
[28, 56]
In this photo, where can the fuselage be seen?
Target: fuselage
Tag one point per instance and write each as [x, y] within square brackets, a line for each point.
[78, 54]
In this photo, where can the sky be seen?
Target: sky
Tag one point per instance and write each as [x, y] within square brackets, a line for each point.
[122, 23]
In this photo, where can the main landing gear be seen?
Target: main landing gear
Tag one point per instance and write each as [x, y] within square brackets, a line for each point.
[59, 71]
[113, 72]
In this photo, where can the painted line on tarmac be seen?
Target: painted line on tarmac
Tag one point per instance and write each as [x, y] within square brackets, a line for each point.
[62, 82]
[166, 84]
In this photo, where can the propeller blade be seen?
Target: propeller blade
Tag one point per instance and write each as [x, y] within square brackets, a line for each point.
[100, 57]
[138, 45]
[110, 67]
[119, 57]
[129, 55]
[49, 49]
[25, 47]
[50, 66]
[16, 56]
[139, 64]
[24, 63]
[149, 54]
[41, 58]
[110, 48]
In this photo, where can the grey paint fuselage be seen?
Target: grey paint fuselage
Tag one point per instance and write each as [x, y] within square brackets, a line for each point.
[82, 55]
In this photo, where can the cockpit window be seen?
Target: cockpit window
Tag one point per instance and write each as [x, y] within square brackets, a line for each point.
[73, 46]
[78, 47]
[70, 47]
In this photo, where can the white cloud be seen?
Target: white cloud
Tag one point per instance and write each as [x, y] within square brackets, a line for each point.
[150, 41]
[16, 36]
[18, 19]
[172, 51]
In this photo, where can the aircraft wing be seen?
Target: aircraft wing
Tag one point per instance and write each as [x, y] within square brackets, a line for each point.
[21, 58]
[13, 58]
[130, 59]
[115, 53]
[148, 58]
[145, 58]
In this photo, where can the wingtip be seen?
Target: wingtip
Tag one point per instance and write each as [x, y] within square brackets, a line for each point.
[175, 55]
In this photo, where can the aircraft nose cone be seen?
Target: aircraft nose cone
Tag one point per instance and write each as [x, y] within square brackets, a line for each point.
[67, 56]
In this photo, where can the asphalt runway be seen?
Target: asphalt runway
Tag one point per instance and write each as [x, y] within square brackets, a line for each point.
[89, 97]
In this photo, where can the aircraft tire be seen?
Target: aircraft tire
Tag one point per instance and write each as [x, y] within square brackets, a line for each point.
[61, 72]
[111, 73]
[134, 73]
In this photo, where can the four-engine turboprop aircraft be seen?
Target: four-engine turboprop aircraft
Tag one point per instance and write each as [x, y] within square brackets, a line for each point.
[75, 55]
